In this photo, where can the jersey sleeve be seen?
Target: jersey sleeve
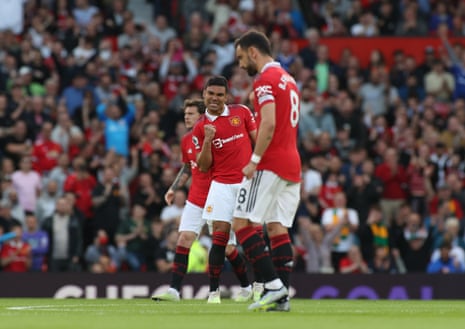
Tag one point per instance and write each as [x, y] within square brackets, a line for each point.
[249, 119]
[263, 92]
[186, 143]
[197, 137]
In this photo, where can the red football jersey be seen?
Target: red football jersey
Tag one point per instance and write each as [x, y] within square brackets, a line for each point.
[231, 147]
[275, 85]
[21, 252]
[45, 155]
[200, 181]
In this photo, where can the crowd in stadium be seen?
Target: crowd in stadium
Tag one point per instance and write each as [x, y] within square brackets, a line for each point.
[91, 119]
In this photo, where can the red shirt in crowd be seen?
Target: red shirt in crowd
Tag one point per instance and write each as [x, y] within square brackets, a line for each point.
[231, 147]
[393, 183]
[45, 155]
[82, 188]
[275, 85]
[200, 181]
[21, 252]
[454, 207]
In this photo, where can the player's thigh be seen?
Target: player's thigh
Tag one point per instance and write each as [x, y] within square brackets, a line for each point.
[191, 219]
[256, 195]
[284, 208]
[220, 202]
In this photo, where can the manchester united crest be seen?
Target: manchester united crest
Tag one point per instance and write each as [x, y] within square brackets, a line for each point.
[235, 121]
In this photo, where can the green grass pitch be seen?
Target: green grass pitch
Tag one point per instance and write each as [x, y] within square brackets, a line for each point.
[195, 314]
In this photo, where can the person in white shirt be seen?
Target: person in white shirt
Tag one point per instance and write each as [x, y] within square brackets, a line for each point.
[174, 211]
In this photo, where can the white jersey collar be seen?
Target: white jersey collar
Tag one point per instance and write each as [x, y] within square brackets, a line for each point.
[213, 117]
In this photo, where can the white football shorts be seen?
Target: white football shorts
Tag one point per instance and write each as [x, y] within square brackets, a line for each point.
[191, 218]
[267, 198]
[220, 202]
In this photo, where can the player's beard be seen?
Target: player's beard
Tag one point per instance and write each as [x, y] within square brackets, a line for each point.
[251, 68]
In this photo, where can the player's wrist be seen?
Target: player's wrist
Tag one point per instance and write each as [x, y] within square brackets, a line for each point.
[255, 158]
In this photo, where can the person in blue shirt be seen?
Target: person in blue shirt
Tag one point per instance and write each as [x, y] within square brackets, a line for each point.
[446, 263]
[38, 240]
[117, 125]
[456, 64]
[74, 94]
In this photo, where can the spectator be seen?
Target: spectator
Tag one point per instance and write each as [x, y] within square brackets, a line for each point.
[394, 178]
[165, 255]
[411, 25]
[224, 49]
[444, 204]
[101, 256]
[386, 18]
[38, 241]
[18, 143]
[107, 199]
[147, 195]
[439, 83]
[117, 122]
[173, 212]
[382, 261]
[445, 264]
[64, 129]
[451, 233]
[346, 238]
[317, 121]
[15, 255]
[414, 244]
[318, 246]
[81, 183]
[83, 12]
[27, 184]
[455, 63]
[162, 31]
[45, 152]
[131, 236]
[374, 234]
[59, 173]
[64, 233]
[7, 221]
[353, 262]
[366, 27]
[46, 203]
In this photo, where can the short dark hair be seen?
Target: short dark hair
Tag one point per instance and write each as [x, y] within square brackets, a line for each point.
[198, 103]
[255, 39]
[217, 80]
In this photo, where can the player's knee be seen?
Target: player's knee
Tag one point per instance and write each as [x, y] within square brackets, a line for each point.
[186, 239]
[239, 223]
[273, 229]
[221, 226]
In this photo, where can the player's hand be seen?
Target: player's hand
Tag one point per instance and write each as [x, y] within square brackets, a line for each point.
[169, 196]
[210, 131]
[249, 170]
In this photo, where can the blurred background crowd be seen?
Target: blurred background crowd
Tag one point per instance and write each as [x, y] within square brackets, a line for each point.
[91, 119]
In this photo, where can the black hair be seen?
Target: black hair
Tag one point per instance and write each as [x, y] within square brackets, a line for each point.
[217, 81]
[255, 39]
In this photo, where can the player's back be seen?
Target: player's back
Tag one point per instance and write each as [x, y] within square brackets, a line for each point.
[274, 84]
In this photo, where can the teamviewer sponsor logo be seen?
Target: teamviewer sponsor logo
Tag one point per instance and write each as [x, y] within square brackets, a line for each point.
[219, 142]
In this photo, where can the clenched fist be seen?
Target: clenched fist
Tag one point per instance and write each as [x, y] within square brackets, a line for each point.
[210, 131]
